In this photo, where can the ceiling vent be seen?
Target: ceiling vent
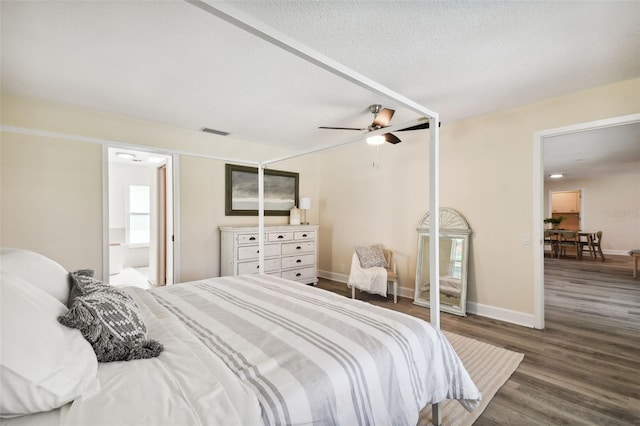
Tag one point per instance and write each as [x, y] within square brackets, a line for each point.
[214, 131]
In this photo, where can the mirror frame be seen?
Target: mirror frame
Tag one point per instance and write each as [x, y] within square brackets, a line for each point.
[452, 225]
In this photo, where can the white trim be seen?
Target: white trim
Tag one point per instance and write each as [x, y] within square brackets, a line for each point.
[119, 144]
[175, 164]
[501, 314]
[343, 278]
[538, 199]
[105, 213]
[333, 276]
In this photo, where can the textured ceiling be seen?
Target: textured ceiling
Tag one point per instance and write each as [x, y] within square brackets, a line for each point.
[171, 62]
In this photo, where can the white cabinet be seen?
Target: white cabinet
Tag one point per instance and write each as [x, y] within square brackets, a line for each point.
[290, 251]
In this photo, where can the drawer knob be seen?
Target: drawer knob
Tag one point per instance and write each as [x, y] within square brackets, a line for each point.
[298, 274]
[280, 237]
[252, 238]
[298, 248]
[299, 261]
[304, 235]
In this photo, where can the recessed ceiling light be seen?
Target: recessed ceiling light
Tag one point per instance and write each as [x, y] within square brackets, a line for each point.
[556, 176]
[126, 155]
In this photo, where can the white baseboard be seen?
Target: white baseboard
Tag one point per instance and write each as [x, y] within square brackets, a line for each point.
[333, 276]
[615, 252]
[342, 278]
[501, 314]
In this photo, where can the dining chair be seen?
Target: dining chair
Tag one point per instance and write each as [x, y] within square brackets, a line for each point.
[569, 239]
[596, 244]
[585, 240]
[551, 241]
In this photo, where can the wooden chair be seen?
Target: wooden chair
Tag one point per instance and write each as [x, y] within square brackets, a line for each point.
[392, 275]
[596, 244]
[569, 239]
[585, 241]
[551, 241]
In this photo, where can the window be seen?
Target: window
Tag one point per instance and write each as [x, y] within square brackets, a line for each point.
[455, 258]
[139, 214]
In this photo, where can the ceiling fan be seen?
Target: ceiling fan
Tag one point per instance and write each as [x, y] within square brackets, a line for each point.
[381, 119]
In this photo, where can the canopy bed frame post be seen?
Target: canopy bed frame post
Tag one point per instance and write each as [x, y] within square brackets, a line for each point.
[261, 267]
[434, 246]
[434, 241]
[270, 35]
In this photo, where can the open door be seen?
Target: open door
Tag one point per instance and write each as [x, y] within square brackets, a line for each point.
[139, 223]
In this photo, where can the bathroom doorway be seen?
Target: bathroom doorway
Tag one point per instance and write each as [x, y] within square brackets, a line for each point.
[140, 225]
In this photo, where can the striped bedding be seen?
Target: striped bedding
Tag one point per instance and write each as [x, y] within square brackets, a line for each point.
[254, 350]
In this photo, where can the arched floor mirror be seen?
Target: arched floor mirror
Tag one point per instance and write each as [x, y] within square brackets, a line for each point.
[454, 262]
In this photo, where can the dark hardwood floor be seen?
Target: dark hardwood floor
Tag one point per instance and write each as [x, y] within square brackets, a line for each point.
[583, 369]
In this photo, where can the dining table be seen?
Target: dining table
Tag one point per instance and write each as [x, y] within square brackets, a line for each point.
[583, 238]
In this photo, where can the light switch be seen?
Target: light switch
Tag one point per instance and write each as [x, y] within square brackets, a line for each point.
[526, 240]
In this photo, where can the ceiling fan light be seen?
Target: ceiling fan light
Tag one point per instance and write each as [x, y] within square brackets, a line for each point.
[376, 140]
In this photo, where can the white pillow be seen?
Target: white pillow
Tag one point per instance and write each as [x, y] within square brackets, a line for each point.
[43, 364]
[38, 270]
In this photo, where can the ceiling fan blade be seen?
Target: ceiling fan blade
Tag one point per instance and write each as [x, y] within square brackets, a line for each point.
[383, 118]
[391, 138]
[418, 127]
[341, 128]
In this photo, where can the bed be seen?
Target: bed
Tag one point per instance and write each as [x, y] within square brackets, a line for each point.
[240, 350]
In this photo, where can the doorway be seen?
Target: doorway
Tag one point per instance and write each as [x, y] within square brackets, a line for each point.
[539, 198]
[139, 225]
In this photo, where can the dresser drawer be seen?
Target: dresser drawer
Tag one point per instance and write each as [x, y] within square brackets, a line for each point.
[279, 236]
[251, 252]
[299, 274]
[304, 235]
[293, 248]
[297, 261]
[252, 267]
[247, 238]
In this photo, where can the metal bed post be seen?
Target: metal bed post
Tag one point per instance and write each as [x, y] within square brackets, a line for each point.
[261, 269]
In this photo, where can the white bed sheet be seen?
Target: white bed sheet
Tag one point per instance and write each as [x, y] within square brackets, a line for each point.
[248, 350]
[185, 385]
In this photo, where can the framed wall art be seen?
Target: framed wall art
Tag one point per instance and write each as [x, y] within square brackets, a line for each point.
[241, 191]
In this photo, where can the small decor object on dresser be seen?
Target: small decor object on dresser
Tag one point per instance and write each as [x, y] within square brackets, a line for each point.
[290, 252]
[294, 216]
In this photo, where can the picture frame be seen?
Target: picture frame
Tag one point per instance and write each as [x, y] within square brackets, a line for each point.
[281, 190]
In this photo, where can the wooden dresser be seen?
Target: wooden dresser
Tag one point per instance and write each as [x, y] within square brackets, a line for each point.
[291, 251]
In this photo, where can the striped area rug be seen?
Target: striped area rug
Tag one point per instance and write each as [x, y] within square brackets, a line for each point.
[489, 366]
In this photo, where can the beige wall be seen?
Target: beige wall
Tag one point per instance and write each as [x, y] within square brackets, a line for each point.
[51, 189]
[486, 174]
[51, 199]
[610, 204]
[202, 211]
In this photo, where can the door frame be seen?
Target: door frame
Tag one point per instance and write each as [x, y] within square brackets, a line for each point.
[174, 173]
[538, 199]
